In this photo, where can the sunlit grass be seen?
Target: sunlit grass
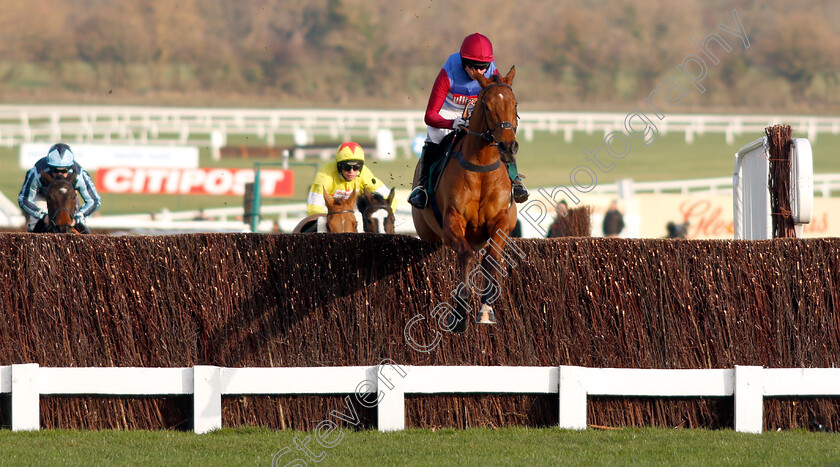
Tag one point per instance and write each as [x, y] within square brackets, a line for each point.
[480, 446]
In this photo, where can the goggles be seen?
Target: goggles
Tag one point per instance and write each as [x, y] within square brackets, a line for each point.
[60, 170]
[348, 166]
[477, 65]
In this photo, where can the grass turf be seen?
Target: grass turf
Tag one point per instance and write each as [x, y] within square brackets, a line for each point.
[478, 446]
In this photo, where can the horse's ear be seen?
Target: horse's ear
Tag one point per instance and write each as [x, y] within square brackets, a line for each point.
[351, 201]
[391, 196]
[328, 198]
[510, 74]
[46, 178]
[482, 81]
[72, 178]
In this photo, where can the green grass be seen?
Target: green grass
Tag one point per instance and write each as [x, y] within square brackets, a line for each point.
[547, 160]
[481, 446]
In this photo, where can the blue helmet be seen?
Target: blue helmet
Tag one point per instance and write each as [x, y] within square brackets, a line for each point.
[60, 156]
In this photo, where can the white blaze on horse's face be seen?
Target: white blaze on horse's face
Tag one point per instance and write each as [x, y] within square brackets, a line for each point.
[63, 190]
[380, 215]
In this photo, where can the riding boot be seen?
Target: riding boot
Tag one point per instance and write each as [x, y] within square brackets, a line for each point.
[520, 192]
[419, 198]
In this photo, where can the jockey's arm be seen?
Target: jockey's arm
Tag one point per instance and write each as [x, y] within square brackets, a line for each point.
[436, 100]
[87, 190]
[315, 203]
[26, 198]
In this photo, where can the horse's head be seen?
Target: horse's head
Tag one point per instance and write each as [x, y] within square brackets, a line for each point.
[495, 116]
[61, 201]
[341, 217]
[374, 206]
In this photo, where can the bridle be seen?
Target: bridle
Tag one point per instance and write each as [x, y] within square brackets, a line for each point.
[57, 211]
[489, 134]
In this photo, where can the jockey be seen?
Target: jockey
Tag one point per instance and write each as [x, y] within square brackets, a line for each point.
[340, 179]
[453, 90]
[59, 162]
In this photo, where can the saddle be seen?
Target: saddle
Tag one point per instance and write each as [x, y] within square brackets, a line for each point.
[436, 169]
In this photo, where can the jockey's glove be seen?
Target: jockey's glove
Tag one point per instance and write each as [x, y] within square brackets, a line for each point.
[80, 218]
[459, 122]
[41, 215]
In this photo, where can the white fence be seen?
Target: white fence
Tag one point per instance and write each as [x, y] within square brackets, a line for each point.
[212, 126]
[390, 383]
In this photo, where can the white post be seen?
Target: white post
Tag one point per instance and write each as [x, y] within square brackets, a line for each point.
[749, 399]
[391, 410]
[26, 410]
[572, 392]
[385, 148]
[218, 138]
[207, 398]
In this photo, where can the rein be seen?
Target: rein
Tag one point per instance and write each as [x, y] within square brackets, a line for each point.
[55, 214]
[488, 136]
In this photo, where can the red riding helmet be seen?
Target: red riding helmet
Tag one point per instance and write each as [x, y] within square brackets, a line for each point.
[477, 47]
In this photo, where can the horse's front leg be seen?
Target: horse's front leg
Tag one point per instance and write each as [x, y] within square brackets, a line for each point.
[493, 261]
[454, 232]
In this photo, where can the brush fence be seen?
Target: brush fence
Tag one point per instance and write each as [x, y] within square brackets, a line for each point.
[338, 301]
[384, 387]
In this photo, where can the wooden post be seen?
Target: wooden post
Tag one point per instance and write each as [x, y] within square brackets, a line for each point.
[207, 398]
[26, 409]
[572, 393]
[749, 399]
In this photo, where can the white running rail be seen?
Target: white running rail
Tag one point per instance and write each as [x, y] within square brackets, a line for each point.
[390, 382]
[173, 125]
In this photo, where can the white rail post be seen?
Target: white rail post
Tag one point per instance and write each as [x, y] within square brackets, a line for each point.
[207, 398]
[572, 392]
[26, 410]
[749, 399]
[391, 409]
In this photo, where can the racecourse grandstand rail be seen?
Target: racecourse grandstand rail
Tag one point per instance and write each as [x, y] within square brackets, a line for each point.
[211, 127]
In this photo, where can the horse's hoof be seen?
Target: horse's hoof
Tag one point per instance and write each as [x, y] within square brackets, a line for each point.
[486, 315]
[457, 324]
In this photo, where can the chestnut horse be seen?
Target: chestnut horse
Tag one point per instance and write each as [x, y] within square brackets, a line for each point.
[61, 204]
[373, 205]
[340, 216]
[474, 195]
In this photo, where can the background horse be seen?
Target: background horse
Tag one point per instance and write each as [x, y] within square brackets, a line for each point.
[340, 217]
[61, 204]
[474, 195]
[374, 206]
